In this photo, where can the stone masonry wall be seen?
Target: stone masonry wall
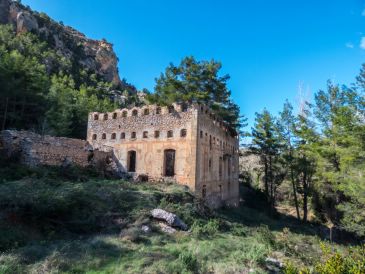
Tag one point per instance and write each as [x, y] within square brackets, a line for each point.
[175, 129]
[206, 154]
[34, 150]
[217, 158]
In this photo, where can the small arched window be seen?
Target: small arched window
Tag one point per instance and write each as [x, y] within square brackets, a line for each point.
[103, 136]
[184, 107]
[95, 137]
[124, 114]
[122, 136]
[183, 133]
[133, 135]
[157, 134]
[145, 134]
[115, 115]
[204, 191]
[105, 116]
[171, 109]
[146, 111]
[158, 110]
[134, 112]
[170, 134]
[113, 136]
[201, 134]
[96, 117]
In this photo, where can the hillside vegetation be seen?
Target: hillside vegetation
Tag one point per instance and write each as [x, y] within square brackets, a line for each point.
[70, 221]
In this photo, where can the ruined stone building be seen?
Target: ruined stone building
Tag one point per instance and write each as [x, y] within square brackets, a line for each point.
[187, 144]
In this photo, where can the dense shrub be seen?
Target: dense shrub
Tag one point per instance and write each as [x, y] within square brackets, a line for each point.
[208, 229]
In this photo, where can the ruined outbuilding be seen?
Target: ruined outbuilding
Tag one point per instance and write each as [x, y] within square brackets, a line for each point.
[184, 143]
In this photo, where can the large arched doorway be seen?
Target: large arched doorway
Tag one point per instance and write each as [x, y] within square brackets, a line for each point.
[169, 163]
[132, 155]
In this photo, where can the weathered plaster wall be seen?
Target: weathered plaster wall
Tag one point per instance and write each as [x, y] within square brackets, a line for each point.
[149, 148]
[217, 158]
[206, 158]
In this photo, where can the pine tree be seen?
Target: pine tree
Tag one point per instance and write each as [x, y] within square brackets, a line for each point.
[197, 81]
[286, 130]
[265, 143]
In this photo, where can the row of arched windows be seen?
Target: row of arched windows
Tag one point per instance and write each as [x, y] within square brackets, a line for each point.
[145, 111]
[145, 135]
[216, 141]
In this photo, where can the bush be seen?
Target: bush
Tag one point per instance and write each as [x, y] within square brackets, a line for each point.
[265, 235]
[333, 262]
[189, 261]
[208, 229]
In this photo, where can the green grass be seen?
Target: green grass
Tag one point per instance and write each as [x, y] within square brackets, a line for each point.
[54, 223]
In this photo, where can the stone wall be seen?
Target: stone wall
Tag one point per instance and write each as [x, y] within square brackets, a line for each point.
[217, 158]
[149, 132]
[206, 152]
[35, 150]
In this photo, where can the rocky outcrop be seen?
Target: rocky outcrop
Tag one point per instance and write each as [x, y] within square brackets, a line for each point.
[170, 218]
[94, 55]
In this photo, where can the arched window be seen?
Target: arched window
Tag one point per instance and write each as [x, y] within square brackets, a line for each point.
[220, 167]
[170, 134]
[157, 134]
[95, 137]
[201, 134]
[103, 136]
[133, 135]
[184, 107]
[132, 158]
[114, 136]
[134, 112]
[145, 134]
[124, 114]
[183, 133]
[105, 116]
[171, 109]
[96, 117]
[122, 136]
[158, 110]
[115, 115]
[210, 142]
[204, 191]
[210, 164]
[146, 111]
[169, 163]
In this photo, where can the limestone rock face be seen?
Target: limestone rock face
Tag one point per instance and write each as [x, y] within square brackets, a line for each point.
[97, 56]
[26, 22]
[170, 218]
[4, 11]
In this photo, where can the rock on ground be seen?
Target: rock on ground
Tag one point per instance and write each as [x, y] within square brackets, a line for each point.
[170, 218]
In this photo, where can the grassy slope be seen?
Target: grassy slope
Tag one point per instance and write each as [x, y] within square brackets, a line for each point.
[57, 221]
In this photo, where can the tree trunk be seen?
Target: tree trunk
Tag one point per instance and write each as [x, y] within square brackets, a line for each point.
[266, 178]
[5, 113]
[272, 201]
[294, 192]
[305, 197]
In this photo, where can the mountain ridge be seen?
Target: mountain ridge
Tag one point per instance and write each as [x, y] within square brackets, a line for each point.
[94, 55]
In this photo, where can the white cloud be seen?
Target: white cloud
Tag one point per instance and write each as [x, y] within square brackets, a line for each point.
[362, 42]
[349, 45]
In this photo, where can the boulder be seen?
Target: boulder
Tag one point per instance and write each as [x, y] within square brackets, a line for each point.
[167, 229]
[170, 218]
[146, 229]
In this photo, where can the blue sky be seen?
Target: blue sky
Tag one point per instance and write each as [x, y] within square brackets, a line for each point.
[268, 47]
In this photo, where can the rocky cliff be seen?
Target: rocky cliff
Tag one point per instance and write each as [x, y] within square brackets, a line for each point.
[93, 55]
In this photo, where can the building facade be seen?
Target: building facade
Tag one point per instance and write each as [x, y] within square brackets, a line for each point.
[186, 143]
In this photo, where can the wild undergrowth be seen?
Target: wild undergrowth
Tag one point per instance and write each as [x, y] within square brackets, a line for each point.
[54, 221]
